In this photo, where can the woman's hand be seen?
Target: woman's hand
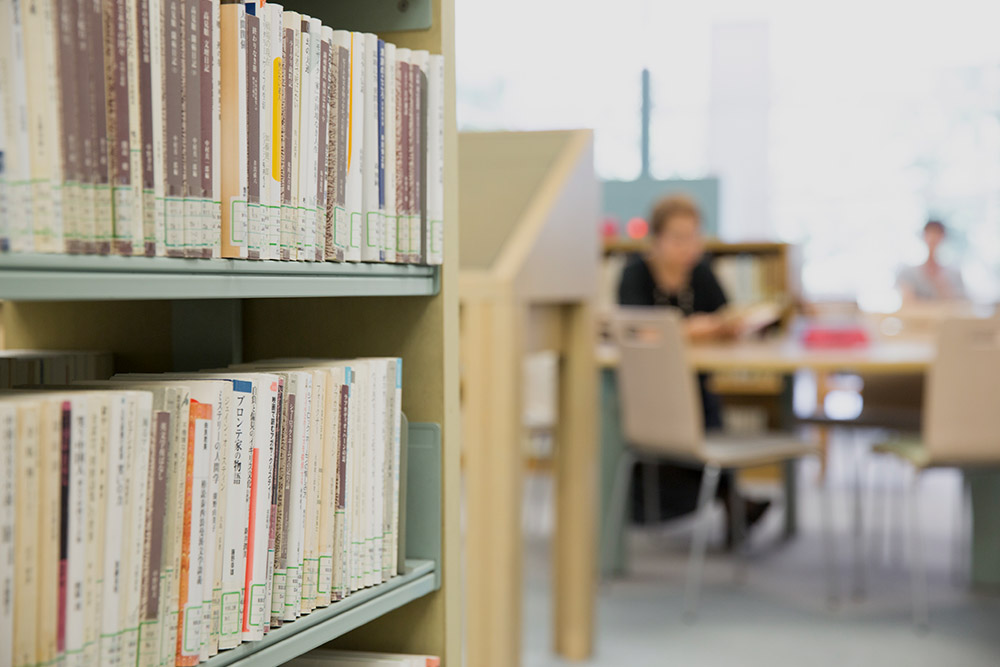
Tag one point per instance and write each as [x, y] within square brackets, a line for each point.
[701, 327]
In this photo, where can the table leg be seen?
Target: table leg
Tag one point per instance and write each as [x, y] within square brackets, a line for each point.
[612, 447]
[985, 487]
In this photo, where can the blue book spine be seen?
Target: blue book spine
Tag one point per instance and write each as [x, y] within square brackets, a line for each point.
[381, 125]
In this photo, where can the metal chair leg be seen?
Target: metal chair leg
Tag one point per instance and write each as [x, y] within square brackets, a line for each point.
[740, 530]
[918, 567]
[616, 510]
[709, 483]
[829, 544]
[859, 527]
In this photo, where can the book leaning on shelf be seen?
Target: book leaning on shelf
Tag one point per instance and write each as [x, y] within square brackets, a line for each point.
[156, 519]
[200, 128]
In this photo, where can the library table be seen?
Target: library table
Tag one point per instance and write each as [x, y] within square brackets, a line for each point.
[786, 356]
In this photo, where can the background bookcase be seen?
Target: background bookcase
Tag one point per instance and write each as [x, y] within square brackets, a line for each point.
[161, 315]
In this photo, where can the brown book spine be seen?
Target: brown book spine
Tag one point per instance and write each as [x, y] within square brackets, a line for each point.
[211, 236]
[288, 92]
[322, 140]
[173, 117]
[152, 552]
[402, 161]
[254, 211]
[146, 129]
[117, 91]
[70, 116]
[101, 175]
[194, 233]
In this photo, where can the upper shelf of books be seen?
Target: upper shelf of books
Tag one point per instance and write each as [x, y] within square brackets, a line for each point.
[38, 277]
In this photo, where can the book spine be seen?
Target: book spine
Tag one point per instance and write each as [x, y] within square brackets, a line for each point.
[402, 154]
[172, 106]
[17, 157]
[254, 217]
[69, 137]
[194, 237]
[277, 495]
[396, 423]
[192, 560]
[337, 219]
[101, 174]
[49, 530]
[145, 14]
[8, 528]
[420, 174]
[328, 491]
[354, 195]
[116, 79]
[323, 139]
[174, 531]
[313, 493]
[237, 491]
[75, 554]
[434, 240]
[283, 520]
[150, 619]
[38, 28]
[256, 613]
[272, 126]
[391, 116]
[315, 151]
[211, 213]
[220, 477]
[157, 111]
[296, 510]
[233, 137]
[341, 575]
[303, 234]
[371, 245]
[96, 448]
[289, 120]
[137, 489]
[114, 564]
[414, 156]
[215, 187]
[134, 65]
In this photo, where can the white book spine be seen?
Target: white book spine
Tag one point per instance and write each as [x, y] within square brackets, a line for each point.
[419, 69]
[114, 510]
[263, 128]
[397, 440]
[236, 512]
[315, 99]
[371, 246]
[137, 490]
[355, 498]
[272, 128]
[354, 197]
[435, 160]
[220, 479]
[404, 143]
[159, 131]
[391, 241]
[380, 465]
[215, 196]
[306, 182]
[17, 164]
[328, 488]
[135, 130]
[256, 614]
[76, 553]
[314, 494]
[8, 436]
[197, 525]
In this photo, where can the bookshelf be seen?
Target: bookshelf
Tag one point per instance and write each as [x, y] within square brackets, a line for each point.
[161, 315]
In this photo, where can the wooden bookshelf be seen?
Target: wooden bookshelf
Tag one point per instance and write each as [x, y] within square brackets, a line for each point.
[158, 316]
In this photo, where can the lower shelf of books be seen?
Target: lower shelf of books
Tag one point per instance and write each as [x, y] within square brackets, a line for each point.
[323, 625]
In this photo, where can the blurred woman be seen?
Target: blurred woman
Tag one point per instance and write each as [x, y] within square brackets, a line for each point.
[675, 273]
[931, 281]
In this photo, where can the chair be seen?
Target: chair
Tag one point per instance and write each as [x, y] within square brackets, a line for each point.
[961, 424]
[662, 418]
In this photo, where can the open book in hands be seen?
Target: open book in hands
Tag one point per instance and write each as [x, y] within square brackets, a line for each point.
[748, 319]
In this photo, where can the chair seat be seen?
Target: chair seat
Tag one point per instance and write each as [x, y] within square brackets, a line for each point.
[736, 451]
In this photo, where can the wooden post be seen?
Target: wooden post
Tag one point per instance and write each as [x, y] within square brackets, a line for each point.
[491, 379]
[574, 553]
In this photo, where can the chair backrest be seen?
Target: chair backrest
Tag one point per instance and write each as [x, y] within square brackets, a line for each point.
[962, 407]
[660, 403]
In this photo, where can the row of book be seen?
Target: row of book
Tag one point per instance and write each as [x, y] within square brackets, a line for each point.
[751, 278]
[156, 519]
[194, 128]
[329, 658]
[42, 367]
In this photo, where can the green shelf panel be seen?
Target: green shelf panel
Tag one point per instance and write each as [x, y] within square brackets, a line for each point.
[315, 629]
[99, 278]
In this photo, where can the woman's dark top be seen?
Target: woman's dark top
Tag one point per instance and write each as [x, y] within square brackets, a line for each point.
[702, 295]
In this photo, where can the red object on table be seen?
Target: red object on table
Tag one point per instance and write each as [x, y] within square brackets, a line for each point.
[832, 336]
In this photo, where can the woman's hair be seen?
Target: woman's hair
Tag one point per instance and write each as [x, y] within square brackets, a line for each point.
[672, 206]
[936, 225]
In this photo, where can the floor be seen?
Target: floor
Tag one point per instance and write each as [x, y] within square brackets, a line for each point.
[777, 614]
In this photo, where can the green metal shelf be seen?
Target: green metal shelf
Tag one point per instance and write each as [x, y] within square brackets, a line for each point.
[97, 278]
[311, 631]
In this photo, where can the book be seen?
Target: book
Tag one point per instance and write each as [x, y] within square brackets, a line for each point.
[272, 49]
[388, 153]
[338, 219]
[434, 227]
[404, 154]
[23, 476]
[290, 80]
[354, 186]
[17, 165]
[372, 245]
[126, 224]
[233, 92]
[255, 219]
[340, 658]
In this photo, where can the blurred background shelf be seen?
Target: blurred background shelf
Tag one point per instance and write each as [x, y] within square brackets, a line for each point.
[86, 277]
